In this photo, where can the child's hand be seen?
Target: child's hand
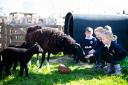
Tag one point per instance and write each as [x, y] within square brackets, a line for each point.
[91, 51]
[88, 56]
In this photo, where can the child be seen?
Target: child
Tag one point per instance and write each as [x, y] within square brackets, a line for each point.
[111, 52]
[99, 63]
[109, 29]
[89, 43]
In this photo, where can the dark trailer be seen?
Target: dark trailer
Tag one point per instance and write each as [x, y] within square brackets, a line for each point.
[76, 23]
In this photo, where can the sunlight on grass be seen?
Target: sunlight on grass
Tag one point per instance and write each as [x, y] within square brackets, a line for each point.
[81, 74]
[51, 55]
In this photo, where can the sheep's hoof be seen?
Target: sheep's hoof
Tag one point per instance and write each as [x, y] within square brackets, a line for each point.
[39, 70]
[21, 75]
[38, 63]
[27, 76]
[48, 67]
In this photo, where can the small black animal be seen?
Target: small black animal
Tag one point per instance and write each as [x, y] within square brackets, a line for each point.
[25, 45]
[23, 56]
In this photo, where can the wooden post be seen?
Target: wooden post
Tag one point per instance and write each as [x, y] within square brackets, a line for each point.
[3, 34]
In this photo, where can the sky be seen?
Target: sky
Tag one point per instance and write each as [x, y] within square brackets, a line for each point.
[58, 8]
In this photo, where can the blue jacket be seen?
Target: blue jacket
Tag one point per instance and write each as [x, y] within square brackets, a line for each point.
[89, 44]
[115, 53]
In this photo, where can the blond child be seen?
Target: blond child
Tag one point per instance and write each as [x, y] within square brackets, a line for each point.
[111, 52]
[109, 29]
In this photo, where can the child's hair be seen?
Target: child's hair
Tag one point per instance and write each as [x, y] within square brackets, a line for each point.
[108, 28]
[108, 35]
[99, 29]
[115, 37]
[89, 29]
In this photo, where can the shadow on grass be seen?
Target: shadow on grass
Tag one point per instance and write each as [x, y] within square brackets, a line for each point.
[54, 77]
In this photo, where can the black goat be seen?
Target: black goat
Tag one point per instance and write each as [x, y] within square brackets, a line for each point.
[23, 56]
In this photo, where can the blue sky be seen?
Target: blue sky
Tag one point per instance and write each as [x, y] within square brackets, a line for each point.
[55, 8]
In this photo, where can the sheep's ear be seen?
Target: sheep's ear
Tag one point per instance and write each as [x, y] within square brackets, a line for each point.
[76, 45]
[62, 39]
[79, 49]
[36, 43]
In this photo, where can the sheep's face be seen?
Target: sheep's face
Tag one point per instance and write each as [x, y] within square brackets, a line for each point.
[36, 48]
[78, 51]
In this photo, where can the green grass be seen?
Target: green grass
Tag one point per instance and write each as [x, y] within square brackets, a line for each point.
[80, 75]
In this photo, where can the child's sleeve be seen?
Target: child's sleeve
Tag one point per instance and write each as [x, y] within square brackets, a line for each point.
[121, 51]
[98, 51]
[94, 44]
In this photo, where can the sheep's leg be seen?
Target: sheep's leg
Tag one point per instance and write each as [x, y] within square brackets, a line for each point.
[26, 70]
[15, 65]
[7, 70]
[47, 61]
[8, 67]
[29, 63]
[21, 69]
[1, 68]
[48, 57]
[42, 60]
[38, 60]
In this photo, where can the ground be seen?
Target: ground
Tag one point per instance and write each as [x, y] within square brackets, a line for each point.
[81, 74]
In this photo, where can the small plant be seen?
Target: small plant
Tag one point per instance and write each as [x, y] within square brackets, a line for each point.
[124, 65]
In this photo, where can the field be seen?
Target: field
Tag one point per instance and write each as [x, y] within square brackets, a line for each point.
[81, 74]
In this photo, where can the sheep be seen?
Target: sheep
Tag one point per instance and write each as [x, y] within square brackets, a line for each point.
[23, 56]
[54, 41]
[23, 45]
[31, 29]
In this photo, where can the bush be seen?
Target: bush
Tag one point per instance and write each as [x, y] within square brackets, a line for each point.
[124, 65]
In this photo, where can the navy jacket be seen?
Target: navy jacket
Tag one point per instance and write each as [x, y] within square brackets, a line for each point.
[98, 44]
[89, 44]
[114, 54]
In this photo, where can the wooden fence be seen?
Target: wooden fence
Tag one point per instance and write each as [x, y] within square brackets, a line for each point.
[15, 34]
[10, 35]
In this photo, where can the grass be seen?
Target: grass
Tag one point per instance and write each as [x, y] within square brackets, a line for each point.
[80, 75]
